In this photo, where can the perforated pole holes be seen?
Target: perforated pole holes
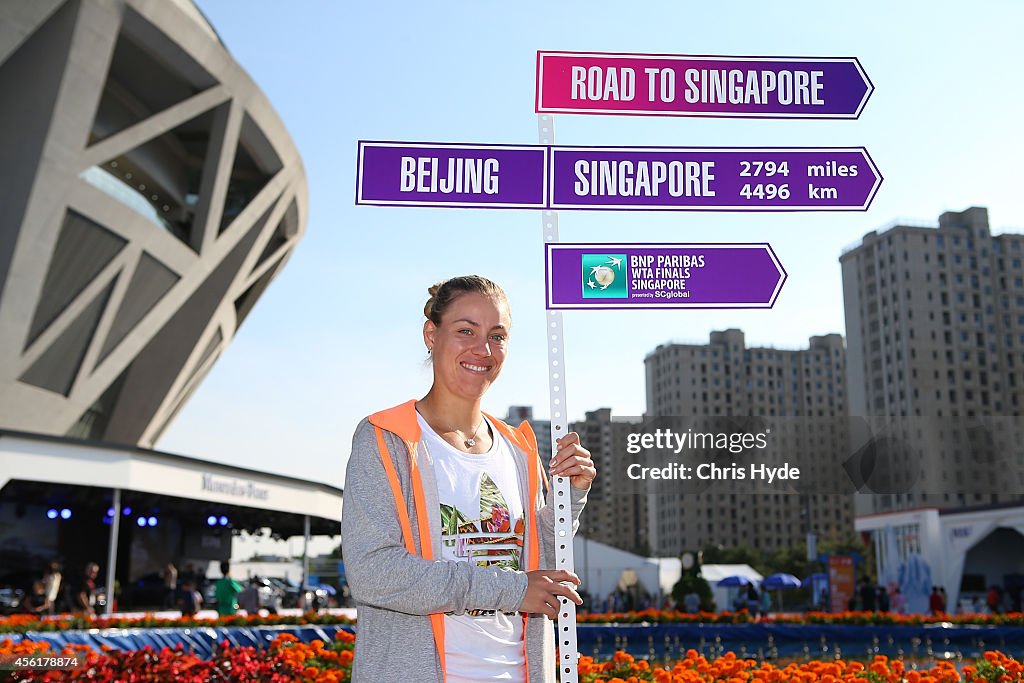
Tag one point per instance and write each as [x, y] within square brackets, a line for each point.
[566, 631]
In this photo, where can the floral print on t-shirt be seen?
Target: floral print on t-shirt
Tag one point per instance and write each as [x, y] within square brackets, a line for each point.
[490, 539]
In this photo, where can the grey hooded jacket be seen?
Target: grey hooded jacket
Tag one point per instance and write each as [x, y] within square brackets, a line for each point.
[395, 591]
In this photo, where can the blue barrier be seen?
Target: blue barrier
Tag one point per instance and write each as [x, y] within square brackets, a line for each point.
[767, 640]
[662, 641]
[199, 641]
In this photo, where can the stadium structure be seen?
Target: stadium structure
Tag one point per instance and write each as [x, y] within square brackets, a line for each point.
[150, 193]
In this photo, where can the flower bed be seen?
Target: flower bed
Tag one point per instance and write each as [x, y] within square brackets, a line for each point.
[288, 660]
[838, 618]
[285, 660]
[694, 668]
[22, 623]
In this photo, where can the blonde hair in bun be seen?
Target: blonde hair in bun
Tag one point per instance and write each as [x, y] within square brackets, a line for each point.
[445, 292]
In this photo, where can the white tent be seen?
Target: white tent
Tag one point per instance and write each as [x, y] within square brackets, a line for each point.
[724, 595]
[942, 547]
[670, 568]
[603, 568]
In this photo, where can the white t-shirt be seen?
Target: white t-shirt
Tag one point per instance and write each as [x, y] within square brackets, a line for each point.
[482, 521]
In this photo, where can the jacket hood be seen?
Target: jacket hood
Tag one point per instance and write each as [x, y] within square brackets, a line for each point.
[401, 421]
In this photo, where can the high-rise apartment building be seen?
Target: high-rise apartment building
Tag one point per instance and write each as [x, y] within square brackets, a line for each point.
[801, 392]
[613, 517]
[541, 428]
[935, 334]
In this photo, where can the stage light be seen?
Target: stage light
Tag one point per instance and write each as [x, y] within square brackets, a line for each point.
[152, 521]
[65, 514]
[223, 520]
[110, 512]
[211, 521]
[141, 521]
[126, 511]
[51, 514]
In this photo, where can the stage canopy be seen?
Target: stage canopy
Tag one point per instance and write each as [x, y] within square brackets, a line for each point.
[63, 472]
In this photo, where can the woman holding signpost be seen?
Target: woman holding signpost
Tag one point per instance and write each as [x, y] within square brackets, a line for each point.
[447, 524]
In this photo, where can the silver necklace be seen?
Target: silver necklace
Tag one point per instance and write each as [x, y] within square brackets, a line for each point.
[471, 441]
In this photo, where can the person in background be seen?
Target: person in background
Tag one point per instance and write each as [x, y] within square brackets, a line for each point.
[935, 602]
[83, 595]
[898, 602]
[226, 591]
[882, 599]
[52, 581]
[766, 602]
[200, 577]
[692, 602]
[753, 601]
[867, 595]
[170, 577]
[190, 600]
[994, 599]
[35, 602]
[187, 573]
[249, 599]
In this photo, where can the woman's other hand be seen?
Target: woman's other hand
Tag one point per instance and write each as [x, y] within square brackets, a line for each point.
[573, 460]
[544, 589]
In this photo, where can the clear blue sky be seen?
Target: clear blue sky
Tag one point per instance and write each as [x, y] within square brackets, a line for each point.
[337, 335]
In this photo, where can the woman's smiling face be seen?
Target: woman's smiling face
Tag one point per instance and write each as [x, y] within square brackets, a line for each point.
[468, 348]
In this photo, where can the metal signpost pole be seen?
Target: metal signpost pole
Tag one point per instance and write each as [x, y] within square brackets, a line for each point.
[566, 626]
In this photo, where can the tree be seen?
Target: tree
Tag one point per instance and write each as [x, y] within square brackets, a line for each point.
[689, 582]
[791, 560]
[716, 554]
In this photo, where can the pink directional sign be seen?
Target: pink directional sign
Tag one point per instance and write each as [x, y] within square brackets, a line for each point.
[698, 85]
[615, 178]
[662, 276]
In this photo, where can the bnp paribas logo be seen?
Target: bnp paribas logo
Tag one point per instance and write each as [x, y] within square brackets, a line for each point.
[604, 276]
